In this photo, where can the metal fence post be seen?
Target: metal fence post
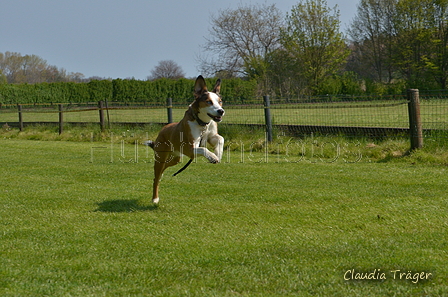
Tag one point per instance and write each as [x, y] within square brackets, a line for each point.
[267, 117]
[61, 119]
[101, 112]
[19, 107]
[415, 123]
[169, 109]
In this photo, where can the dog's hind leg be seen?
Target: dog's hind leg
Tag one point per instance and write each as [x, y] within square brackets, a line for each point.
[162, 162]
[159, 167]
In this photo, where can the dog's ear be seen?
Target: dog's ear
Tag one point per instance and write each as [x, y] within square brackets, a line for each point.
[217, 87]
[200, 86]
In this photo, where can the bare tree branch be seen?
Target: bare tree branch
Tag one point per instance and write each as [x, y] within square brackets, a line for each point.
[167, 69]
[238, 36]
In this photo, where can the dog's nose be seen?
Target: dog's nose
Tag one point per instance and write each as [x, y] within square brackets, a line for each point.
[220, 111]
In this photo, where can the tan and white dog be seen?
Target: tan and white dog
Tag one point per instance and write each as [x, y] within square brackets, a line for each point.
[197, 127]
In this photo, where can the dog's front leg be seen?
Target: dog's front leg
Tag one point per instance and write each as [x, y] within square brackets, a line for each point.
[202, 151]
[217, 141]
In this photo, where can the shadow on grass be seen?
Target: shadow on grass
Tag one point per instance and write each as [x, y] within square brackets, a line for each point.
[124, 206]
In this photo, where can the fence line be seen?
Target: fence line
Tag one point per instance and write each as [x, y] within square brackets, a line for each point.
[351, 116]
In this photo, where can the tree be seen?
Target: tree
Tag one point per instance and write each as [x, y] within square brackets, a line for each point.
[30, 69]
[402, 39]
[423, 56]
[241, 40]
[3, 79]
[372, 35]
[439, 62]
[76, 77]
[414, 27]
[314, 43]
[167, 69]
[282, 73]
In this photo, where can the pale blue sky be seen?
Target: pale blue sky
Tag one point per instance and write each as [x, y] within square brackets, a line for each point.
[119, 38]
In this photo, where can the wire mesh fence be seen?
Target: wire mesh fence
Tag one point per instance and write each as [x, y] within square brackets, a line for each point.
[324, 113]
[434, 111]
[363, 115]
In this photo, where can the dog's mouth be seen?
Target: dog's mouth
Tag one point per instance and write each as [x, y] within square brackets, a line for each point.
[215, 118]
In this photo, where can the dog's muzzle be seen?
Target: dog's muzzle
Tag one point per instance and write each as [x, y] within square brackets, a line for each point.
[217, 118]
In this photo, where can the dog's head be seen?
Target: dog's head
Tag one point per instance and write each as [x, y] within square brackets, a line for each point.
[207, 105]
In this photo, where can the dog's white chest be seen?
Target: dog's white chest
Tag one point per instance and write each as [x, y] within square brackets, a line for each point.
[197, 132]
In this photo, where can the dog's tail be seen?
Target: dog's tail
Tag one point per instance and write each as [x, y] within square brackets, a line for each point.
[149, 143]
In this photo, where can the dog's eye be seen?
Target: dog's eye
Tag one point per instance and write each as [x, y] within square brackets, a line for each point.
[210, 102]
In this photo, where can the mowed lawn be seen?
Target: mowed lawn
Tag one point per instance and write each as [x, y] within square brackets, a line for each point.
[73, 227]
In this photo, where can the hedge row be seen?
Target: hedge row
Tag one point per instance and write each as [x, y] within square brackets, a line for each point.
[118, 90]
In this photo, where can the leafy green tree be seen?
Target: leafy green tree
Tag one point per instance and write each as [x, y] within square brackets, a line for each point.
[437, 61]
[314, 42]
[401, 40]
[413, 45]
[283, 76]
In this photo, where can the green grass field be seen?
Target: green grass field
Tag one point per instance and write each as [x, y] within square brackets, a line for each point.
[76, 224]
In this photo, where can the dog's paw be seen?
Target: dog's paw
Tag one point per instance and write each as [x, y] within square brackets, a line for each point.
[155, 200]
[212, 158]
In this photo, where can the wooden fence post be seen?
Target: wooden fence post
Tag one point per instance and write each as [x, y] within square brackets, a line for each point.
[61, 119]
[169, 109]
[267, 117]
[101, 112]
[415, 123]
[19, 107]
[107, 113]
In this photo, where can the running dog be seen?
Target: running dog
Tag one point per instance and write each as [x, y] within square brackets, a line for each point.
[190, 135]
